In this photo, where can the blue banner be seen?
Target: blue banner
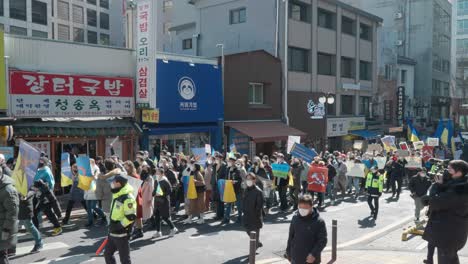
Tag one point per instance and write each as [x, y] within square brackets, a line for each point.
[26, 167]
[84, 167]
[280, 170]
[240, 141]
[302, 152]
[188, 94]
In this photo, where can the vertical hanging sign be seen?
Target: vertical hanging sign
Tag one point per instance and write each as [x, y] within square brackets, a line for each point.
[146, 55]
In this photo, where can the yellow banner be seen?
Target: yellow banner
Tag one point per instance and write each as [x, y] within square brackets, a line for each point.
[3, 85]
[150, 116]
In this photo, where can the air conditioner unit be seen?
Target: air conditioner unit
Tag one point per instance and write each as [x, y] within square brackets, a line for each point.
[398, 15]
[399, 42]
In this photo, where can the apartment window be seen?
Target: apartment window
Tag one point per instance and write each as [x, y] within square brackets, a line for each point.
[403, 76]
[63, 32]
[256, 93]
[104, 39]
[167, 4]
[40, 34]
[104, 20]
[462, 26]
[326, 64]
[78, 14]
[92, 17]
[331, 109]
[39, 12]
[347, 26]
[104, 4]
[93, 2]
[446, 89]
[388, 72]
[347, 105]
[365, 32]
[238, 16]
[18, 9]
[364, 105]
[187, 44]
[62, 10]
[18, 31]
[78, 34]
[1, 8]
[326, 19]
[299, 11]
[347, 68]
[92, 37]
[436, 84]
[365, 71]
[298, 59]
[166, 27]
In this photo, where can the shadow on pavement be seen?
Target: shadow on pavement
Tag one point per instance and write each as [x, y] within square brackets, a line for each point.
[367, 222]
[243, 259]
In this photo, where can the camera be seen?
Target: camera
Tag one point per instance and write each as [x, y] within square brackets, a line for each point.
[439, 167]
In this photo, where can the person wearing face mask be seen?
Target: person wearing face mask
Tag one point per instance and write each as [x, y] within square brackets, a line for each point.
[147, 200]
[418, 186]
[234, 175]
[103, 190]
[91, 200]
[374, 187]
[132, 172]
[76, 195]
[296, 170]
[307, 234]
[219, 172]
[197, 205]
[341, 171]
[172, 177]
[122, 218]
[180, 188]
[253, 207]
[282, 184]
[161, 193]
[207, 177]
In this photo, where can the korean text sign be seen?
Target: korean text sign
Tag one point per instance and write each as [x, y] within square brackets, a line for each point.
[35, 94]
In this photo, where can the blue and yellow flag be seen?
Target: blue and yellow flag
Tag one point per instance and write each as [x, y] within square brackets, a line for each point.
[85, 176]
[66, 179]
[26, 167]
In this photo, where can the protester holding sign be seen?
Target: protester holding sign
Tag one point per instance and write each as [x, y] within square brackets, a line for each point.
[396, 176]
[161, 193]
[317, 180]
[281, 182]
[76, 194]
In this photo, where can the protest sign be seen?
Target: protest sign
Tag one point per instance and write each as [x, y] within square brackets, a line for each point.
[291, 141]
[317, 179]
[26, 167]
[65, 170]
[200, 155]
[377, 148]
[358, 144]
[427, 153]
[389, 143]
[418, 145]
[404, 146]
[355, 169]
[85, 176]
[381, 161]
[402, 153]
[432, 142]
[280, 170]
[207, 148]
[413, 162]
[233, 148]
[302, 152]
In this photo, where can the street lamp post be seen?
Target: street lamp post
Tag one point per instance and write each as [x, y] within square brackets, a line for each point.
[326, 99]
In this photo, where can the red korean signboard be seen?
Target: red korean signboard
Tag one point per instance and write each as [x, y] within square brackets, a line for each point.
[35, 94]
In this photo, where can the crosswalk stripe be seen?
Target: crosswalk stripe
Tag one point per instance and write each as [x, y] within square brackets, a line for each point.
[47, 246]
[421, 246]
[76, 259]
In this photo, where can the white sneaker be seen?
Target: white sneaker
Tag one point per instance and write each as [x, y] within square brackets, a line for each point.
[173, 232]
[201, 221]
[157, 234]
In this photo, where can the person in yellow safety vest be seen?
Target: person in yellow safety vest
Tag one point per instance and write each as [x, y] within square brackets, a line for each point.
[374, 187]
[122, 217]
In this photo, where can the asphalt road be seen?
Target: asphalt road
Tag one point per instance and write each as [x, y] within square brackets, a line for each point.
[212, 243]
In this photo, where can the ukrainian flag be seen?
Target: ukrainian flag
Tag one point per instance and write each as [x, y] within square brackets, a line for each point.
[412, 133]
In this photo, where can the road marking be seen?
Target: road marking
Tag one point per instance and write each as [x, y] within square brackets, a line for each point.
[76, 259]
[336, 209]
[422, 246]
[270, 261]
[373, 234]
[47, 246]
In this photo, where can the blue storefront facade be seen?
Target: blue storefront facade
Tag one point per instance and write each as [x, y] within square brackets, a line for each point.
[190, 103]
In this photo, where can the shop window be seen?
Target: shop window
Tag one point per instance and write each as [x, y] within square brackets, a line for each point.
[18, 9]
[347, 105]
[256, 93]
[298, 59]
[326, 64]
[39, 12]
[326, 19]
[177, 143]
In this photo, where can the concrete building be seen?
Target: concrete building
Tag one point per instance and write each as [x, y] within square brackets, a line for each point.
[421, 33]
[331, 50]
[86, 21]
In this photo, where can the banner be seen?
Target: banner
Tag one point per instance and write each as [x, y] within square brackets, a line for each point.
[189, 187]
[26, 167]
[280, 170]
[65, 170]
[413, 162]
[418, 145]
[85, 176]
[432, 142]
[389, 143]
[302, 152]
[427, 153]
[199, 155]
[381, 161]
[317, 179]
[8, 152]
[355, 169]
[291, 141]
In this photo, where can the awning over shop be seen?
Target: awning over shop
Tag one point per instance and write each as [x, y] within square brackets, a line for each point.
[266, 131]
[366, 134]
[66, 127]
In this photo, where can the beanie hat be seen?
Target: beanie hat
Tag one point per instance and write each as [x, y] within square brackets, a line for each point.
[121, 179]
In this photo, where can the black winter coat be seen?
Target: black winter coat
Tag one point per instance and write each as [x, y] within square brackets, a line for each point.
[281, 182]
[419, 185]
[234, 174]
[307, 235]
[26, 211]
[253, 208]
[447, 226]
[397, 170]
[162, 203]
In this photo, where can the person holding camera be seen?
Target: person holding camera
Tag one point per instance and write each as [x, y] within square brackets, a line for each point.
[418, 186]
[447, 227]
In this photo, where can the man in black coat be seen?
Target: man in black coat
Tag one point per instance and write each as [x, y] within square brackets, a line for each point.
[418, 185]
[397, 171]
[253, 207]
[307, 234]
[447, 227]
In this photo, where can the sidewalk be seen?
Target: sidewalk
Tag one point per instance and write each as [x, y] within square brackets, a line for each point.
[368, 257]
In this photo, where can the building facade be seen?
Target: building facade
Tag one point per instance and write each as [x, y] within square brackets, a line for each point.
[86, 21]
[460, 63]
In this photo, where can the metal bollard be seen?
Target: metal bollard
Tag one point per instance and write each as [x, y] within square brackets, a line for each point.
[253, 247]
[334, 238]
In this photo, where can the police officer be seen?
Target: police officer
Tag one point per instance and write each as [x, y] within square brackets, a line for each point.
[374, 187]
[122, 217]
